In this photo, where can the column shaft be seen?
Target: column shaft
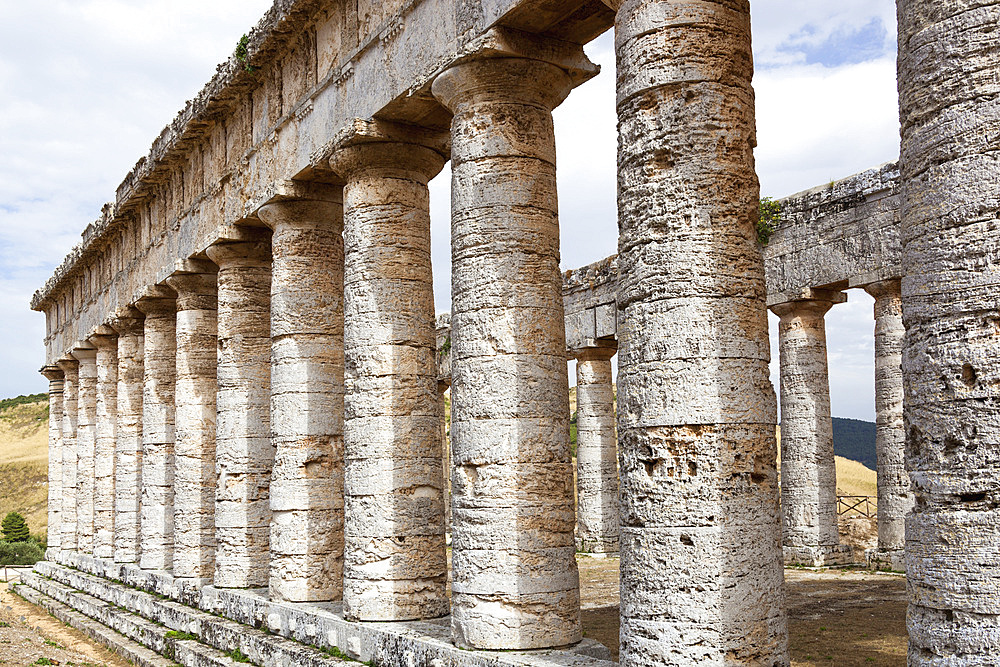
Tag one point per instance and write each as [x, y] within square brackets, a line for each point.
[67, 526]
[696, 410]
[515, 582]
[128, 443]
[55, 378]
[596, 453]
[950, 204]
[156, 505]
[395, 563]
[86, 443]
[105, 444]
[194, 437]
[244, 453]
[307, 398]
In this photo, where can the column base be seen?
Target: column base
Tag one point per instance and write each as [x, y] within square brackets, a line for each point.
[822, 556]
[886, 559]
[597, 547]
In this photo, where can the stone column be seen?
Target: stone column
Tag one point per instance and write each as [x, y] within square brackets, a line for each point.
[156, 504]
[515, 582]
[86, 443]
[395, 562]
[54, 531]
[106, 342]
[67, 526]
[128, 443]
[808, 469]
[596, 452]
[194, 436]
[307, 397]
[950, 195]
[244, 454]
[696, 410]
[894, 497]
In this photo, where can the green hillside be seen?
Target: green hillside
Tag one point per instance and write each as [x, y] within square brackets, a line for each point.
[854, 439]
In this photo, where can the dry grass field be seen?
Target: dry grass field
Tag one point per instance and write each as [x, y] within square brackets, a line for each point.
[24, 443]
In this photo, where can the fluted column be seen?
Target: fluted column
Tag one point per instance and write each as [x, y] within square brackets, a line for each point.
[86, 443]
[67, 525]
[244, 454]
[515, 581]
[395, 564]
[307, 397]
[106, 343]
[894, 497]
[156, 504]
[128, 438]
[55, 377]
[701, 576]
[949, 57]
[194, 437]
[596, 452]
[808, 467]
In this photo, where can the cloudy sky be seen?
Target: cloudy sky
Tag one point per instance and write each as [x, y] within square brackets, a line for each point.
[86, 85]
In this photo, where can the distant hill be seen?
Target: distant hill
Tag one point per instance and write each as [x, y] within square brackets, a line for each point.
[24, 455]
[854, 439]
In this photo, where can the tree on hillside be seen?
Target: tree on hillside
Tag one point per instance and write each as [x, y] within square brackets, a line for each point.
[14, 527]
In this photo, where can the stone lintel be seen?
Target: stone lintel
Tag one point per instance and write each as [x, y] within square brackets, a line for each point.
[806, 294]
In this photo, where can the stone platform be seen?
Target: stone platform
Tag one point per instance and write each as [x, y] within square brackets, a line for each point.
[122, 605]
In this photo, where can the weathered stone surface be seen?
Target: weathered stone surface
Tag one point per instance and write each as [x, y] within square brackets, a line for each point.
[71, 379]
[894, 497]
[244, 453]
[194, 435]
[307, 396]
[596, 453]
[515, 583]
[86, 443]
[696, 410]
[156, 502]
[808, 468]
[128, 444]
[55, 377]
[105, 439]
[950, 118]
[394, 536]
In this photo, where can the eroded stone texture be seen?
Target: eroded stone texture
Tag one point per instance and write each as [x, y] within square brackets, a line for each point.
[515, 581]
[701, 576]
[596, 453]
[86, 443]
[395, 564]
[194, 435]
[156, 504]
[894, 497]
[128, 440]
[104, 450]
[55, 377]
[950, 119]
[244, 454]
[71, 377]
[307, 397]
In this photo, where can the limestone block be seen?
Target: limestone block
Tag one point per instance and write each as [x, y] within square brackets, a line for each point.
[86, 442]
[509, 384]
[696, 409]
[128, 445]
[394, 542]
[244, 453]
[307, 396]
[55, 377]
[156, 504]
[106, 434]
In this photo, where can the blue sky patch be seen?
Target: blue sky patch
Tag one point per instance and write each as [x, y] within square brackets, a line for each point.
[844, 46]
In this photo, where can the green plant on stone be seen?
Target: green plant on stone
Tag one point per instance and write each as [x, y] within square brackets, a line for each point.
[768, 219]
[237, 655]
[243, 54]
[177, 634]
[15, 528]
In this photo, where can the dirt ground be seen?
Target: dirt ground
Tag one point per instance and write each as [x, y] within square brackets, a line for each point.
[30, 636]
[835, 617]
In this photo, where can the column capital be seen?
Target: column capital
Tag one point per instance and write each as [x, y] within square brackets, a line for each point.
[84, 351]
[157, 300]
[104, 337]
[253, 249]
[307, 213]
[890, 287]
[375, 144]
[526, 80]
[195, 291]
[127, 321]
[815, 302]
[602, 352]
[52, 373]
[68, 365]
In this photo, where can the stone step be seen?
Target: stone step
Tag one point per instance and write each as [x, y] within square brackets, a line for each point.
[132, 651]
[154, 622]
